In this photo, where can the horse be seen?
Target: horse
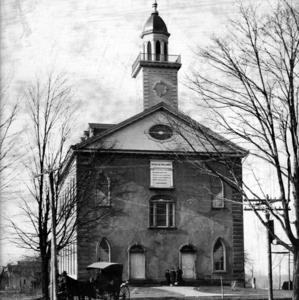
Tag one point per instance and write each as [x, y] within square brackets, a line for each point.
[68, 288]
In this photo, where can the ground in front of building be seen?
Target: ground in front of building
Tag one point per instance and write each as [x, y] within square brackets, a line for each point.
[206, 292]
[180, 292]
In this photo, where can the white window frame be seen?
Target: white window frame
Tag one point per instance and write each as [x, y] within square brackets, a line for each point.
[170, 205]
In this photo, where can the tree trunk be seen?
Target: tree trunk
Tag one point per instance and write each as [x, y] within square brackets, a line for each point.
[296, 274]
[45, 277]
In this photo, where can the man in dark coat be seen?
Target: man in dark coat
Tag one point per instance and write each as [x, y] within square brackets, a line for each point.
[172, 276]
[179, 276]
[167, 276]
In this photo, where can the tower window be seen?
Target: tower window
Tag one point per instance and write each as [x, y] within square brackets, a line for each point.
[149, 51]
[165, 51]
[158, 50]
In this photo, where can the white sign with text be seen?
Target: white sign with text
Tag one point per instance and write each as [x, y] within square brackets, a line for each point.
[161, 174]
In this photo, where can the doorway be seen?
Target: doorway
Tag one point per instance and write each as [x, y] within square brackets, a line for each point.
[188, 257]
[137, 262]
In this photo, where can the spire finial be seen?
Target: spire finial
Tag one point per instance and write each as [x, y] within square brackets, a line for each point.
[155, 5]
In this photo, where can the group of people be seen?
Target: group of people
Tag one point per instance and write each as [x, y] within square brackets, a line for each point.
[174, 277]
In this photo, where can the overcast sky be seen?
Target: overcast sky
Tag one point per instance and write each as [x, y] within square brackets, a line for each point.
[95, 42]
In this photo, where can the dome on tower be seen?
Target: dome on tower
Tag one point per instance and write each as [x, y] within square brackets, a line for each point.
[155, 24]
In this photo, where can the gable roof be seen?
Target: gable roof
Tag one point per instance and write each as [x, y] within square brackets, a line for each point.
[162, 106]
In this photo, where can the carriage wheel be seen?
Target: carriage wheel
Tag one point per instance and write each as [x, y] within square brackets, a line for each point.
[124, 293]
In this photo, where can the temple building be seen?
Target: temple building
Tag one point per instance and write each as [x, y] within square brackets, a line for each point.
[146, 199]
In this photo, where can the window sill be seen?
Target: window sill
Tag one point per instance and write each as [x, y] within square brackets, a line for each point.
[161, 188]
[219, 272]
[162, 228]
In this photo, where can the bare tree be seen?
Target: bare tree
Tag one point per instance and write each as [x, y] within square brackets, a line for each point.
[6, 140]
[51, 113]
[253, 96]
[8, 153]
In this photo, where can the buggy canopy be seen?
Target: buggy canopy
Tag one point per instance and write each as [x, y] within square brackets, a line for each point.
[106, 266]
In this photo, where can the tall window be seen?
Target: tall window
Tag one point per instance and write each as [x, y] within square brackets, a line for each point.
[102, 190]
[219, 256]
[149, 51]
[158, 50]
[217, 192]
[162, 212]
[104, 250]
[165, 51]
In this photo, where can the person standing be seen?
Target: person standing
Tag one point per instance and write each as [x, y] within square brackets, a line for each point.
[179, 276]
[167, 276]
[172, 276]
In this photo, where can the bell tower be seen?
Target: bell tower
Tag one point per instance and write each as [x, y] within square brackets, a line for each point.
[157, 68]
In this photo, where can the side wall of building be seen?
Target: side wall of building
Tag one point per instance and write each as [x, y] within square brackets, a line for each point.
[66, 209]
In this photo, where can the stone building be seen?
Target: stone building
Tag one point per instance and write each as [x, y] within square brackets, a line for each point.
[24, 276]
[154, 204]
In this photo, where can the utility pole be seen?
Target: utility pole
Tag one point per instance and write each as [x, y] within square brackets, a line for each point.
[263, 205]
[270, 290]
[289, 270]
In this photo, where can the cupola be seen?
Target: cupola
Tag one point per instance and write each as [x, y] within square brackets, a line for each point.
[155, 24]
[159, 68]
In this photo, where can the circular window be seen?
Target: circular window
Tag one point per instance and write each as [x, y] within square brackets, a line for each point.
[160, 132]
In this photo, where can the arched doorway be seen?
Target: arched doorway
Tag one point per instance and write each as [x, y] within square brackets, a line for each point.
[188, 257]
[137, 262]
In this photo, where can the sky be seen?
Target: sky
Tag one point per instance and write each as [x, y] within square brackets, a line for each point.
[95, 43]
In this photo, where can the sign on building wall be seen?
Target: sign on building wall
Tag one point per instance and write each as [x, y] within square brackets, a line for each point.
[161, 174]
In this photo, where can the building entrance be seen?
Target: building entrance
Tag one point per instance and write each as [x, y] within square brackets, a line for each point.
[137, 262]
[188, 255]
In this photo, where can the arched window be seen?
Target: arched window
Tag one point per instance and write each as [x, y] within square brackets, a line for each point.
[162, 212]
[104, 251]
[165, 51]
[102, 190]
[219, 256]
[158, 50]
[217, 192]
[149, 51]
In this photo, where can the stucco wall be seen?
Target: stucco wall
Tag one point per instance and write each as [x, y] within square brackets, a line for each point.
[127, 224]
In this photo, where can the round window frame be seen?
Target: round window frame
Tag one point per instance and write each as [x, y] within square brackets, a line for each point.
[157, 138]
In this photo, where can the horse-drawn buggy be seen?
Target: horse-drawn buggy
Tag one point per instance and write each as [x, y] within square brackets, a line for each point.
[105, 283]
